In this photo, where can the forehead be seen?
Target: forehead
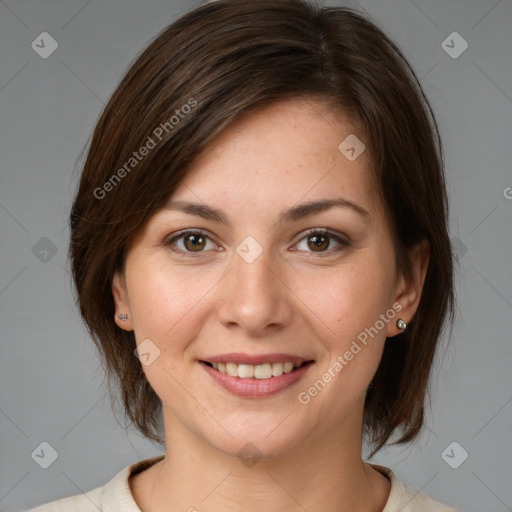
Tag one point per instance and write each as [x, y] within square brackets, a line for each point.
[287, 151]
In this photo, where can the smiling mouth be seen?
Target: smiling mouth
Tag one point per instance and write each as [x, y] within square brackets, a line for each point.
[258, 371]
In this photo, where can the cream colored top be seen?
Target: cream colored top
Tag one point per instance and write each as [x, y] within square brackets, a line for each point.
[116, 496]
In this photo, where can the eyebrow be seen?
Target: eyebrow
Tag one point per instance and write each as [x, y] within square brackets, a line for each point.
[293, 214]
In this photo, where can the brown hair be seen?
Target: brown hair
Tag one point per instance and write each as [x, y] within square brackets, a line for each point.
[197, 76]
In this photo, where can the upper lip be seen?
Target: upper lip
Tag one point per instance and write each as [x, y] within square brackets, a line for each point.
[255, 359]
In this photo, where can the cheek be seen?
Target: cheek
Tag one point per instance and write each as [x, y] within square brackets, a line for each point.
[347, 299]
[345, 308]
[153, 306]
[162, 305]
[159, 298]
[169, 307]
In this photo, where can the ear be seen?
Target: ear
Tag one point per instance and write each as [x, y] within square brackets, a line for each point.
[408, 293]
[121, 302]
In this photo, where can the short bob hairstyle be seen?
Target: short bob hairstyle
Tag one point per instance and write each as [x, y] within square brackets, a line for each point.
[228, 58]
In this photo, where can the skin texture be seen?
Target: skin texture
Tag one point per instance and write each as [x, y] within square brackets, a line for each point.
[296, 297]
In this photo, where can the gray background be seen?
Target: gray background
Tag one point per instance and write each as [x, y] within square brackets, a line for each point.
[51, 382]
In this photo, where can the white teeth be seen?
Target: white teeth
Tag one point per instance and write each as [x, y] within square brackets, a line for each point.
[232, 369]
[287, 367]
[259, 371]
[245, 371]
[263, 371]
[277, 369]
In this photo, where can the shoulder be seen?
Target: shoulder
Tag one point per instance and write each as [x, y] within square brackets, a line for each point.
[405, 499]
[112, 497]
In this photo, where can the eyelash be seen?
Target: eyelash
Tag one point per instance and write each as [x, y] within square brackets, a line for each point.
[171, 242]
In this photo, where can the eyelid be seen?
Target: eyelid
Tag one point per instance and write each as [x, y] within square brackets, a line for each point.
[343, 241]
[341, 238]
[172, 239]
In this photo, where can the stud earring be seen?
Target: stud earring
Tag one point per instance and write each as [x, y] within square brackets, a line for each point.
[122, 316]
[401, 324]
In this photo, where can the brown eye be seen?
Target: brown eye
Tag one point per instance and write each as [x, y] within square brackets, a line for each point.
[318, 242]
[194, 242]
[187, 243]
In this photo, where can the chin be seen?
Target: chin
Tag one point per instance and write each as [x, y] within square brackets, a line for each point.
[260, 438]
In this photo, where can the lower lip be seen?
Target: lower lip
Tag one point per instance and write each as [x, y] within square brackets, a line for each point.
[257, 388]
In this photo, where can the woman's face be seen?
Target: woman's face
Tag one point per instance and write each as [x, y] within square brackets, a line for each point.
[253, 286]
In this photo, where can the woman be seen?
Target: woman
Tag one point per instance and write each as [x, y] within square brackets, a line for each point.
[260, 250]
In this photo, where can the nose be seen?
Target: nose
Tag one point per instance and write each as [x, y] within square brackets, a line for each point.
[254, 297]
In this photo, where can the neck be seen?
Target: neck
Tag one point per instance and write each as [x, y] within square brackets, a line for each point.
[323, 472]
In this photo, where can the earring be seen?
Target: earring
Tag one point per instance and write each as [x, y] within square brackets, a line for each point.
[122, 316]
[401, 324]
